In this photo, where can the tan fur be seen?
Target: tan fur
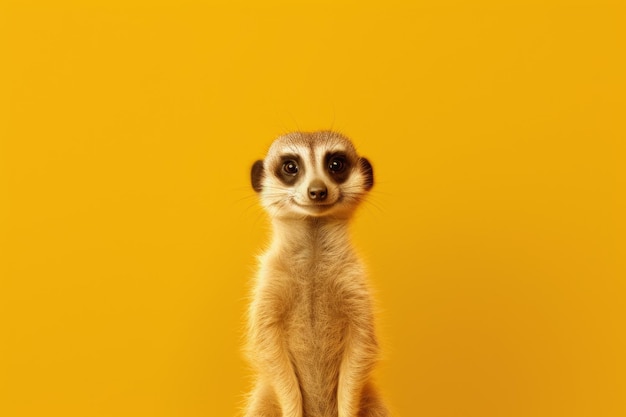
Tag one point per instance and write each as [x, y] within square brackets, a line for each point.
[311, 334]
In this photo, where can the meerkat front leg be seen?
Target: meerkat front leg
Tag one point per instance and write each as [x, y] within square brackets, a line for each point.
[267, 337]
[359, 357]
[262, 402]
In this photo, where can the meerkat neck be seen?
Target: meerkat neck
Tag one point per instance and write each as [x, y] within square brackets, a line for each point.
[314, 236]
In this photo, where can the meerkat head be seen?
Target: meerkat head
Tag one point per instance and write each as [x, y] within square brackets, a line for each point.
[312, 174]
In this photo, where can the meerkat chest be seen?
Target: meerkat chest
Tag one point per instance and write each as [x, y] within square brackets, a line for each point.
[317, 284]
[316, 321]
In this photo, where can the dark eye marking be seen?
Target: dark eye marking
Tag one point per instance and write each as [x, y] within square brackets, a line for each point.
[338, 165]
[288, 169]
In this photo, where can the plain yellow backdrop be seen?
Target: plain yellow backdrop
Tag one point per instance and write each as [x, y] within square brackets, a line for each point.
[494, 235]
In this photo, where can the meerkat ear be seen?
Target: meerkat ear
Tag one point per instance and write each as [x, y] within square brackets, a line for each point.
[256, 176]
[368, 172]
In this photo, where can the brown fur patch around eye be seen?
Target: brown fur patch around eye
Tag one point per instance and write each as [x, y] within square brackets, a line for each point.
[286, 178]
[342, 175]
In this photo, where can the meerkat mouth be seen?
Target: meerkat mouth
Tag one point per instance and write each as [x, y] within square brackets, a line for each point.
[315, 206]
[316, 209]
[319, 206]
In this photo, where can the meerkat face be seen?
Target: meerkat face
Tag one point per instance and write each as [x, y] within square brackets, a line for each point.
[312, 174]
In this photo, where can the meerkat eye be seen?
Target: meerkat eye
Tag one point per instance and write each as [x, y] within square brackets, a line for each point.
[290, 167]
[337, 164]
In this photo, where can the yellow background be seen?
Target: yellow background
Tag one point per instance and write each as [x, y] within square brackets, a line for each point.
[494, 236]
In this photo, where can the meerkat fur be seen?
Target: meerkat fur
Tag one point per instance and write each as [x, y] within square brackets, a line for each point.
[311, 335]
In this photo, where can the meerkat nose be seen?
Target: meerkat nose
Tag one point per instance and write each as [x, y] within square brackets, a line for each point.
[317, 190]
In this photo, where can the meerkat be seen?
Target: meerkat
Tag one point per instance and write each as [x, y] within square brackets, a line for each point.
[311, 335]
